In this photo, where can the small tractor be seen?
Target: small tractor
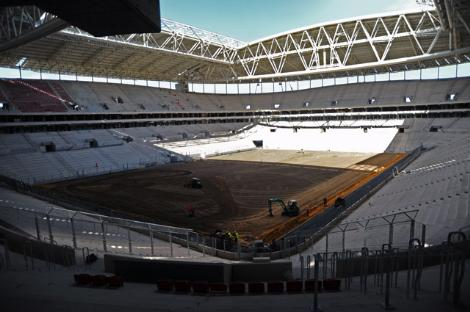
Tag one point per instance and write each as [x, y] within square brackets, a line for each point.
[290, 210]
[195, 183]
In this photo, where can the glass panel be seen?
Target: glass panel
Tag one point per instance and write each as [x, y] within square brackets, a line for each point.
[67, 77]
[128, 81]
[304, 84]
[316, 83]
[382, 77]
[267, 87]
[447, 72]
[278, 86]
[114, 80]
[55, 76]
[244, 88]
[220, 88]
[232, 88]
[29, 74]
[9, 72]
[463, 70]
[411, 75]
[255, 88]
[291, 86]
[369, 78]
[95, 79]
[429, 73]
[352, 79]
[79, 78]
[197, 87]
[328, 82]
[165, 84]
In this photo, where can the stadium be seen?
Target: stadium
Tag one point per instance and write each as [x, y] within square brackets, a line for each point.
[147, 164]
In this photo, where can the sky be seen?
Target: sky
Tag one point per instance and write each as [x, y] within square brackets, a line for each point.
[249, 20]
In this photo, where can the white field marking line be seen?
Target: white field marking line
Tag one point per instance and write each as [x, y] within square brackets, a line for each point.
[431, 167]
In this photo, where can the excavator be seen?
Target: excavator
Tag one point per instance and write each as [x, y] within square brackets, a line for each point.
[290, 210]
[194, 183]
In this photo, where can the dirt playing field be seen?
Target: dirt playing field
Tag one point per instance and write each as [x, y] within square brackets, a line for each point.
[234, 193]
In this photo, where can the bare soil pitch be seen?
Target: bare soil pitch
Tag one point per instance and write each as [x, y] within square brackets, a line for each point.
[234, 194]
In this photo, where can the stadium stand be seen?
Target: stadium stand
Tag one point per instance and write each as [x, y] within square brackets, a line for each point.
[436, 183]
[91, 152]
[33, 96]
[101, 97]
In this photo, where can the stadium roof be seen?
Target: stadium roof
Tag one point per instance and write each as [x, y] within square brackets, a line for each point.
[371, 44]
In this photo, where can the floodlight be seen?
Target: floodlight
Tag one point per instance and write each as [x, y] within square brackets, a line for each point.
[306, 104]
[451, 96]
[22, 61]
[248, 106]
[372, 100]
[408, 99]
[276, 106]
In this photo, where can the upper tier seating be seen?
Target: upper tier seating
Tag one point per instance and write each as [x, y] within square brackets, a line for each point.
[108, 97]
[33, 96]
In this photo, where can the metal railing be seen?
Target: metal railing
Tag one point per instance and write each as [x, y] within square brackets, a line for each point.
[99, 233]
[386, 268]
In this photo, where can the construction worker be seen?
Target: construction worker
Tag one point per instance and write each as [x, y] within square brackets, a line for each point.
[236, 236]
[190, 210]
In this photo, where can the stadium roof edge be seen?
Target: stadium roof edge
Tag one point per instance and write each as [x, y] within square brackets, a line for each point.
[384, 42]
[338, 21]
[197, 32]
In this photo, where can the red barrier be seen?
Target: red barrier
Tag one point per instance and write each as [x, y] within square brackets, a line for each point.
[332, 285]
[256, 288]
[182, 286]
[237, 288]
[115, 281]
[165, 285]
[200, 287]
[275, 287]
[82, 279]
[99, 280]
[218, 288]
[294, 286]
[310, 286]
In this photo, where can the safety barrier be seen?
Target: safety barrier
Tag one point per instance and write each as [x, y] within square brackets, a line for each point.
[380, 269]
[33, 250]
[248, 288]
